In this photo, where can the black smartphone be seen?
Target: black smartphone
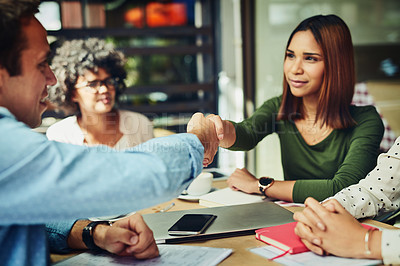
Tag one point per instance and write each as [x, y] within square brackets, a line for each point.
[191, 224]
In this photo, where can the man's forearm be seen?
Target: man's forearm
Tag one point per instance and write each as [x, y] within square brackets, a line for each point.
[75, 236]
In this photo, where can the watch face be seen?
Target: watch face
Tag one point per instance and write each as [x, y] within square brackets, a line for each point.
[264, 181]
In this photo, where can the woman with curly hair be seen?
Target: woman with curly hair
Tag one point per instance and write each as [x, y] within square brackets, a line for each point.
[91, 77]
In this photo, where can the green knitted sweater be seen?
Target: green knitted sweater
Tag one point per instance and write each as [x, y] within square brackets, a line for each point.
[321, 170]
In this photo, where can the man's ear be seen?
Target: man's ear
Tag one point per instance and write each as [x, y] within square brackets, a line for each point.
[3, 77]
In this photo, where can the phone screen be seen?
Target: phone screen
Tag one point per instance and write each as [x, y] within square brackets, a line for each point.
[191, 224]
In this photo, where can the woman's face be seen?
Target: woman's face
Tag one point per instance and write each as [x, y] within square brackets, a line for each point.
[94, 99]
[304, 65]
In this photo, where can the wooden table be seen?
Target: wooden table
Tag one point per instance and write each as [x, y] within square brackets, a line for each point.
[239, 244]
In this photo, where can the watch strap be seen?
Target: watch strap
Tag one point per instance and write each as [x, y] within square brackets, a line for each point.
[87, 235]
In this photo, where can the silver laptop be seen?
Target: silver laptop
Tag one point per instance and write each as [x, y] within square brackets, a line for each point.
[231, 221]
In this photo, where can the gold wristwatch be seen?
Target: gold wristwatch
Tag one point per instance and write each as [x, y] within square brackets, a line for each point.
[264, 183]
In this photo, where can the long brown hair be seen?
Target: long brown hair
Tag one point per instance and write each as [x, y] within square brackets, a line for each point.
[337, 89]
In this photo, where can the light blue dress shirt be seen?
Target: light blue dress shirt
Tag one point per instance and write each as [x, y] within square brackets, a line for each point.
[43, 181]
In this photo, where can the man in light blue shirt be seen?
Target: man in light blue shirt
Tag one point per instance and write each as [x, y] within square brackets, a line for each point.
[41, 181]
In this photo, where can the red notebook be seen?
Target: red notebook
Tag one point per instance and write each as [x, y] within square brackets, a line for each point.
[283, 237]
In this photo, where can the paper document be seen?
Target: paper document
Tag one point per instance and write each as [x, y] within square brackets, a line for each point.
[309, 258]
[228, 197]
[176, 255]
[112, 218]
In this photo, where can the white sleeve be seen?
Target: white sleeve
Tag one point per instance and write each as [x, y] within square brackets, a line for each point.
[66, 131]
[377, 193]
[137, 127]
[390, 246]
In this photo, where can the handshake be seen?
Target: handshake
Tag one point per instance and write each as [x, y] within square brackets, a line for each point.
[212, 132]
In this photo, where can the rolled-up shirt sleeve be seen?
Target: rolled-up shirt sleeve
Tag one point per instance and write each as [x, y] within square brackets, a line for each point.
[57, 235]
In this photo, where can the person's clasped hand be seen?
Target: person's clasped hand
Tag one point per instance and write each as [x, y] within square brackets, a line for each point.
[328, 228]
[205, 130]
[127, 237]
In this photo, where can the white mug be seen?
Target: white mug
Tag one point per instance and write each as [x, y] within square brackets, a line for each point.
[200, 185]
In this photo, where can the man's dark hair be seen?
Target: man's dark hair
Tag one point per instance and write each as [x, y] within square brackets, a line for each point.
[13, 15]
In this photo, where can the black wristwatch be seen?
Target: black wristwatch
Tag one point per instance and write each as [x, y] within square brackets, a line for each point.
[87, 235]
[264, 183]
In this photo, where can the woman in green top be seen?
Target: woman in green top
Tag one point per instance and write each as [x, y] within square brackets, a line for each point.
[326, 143]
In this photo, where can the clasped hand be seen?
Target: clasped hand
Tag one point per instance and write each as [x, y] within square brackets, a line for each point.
[213, 132]
[127, 237]
[328, 228]
[209, 131]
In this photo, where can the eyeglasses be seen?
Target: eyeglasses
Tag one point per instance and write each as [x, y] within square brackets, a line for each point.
[93, 86]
